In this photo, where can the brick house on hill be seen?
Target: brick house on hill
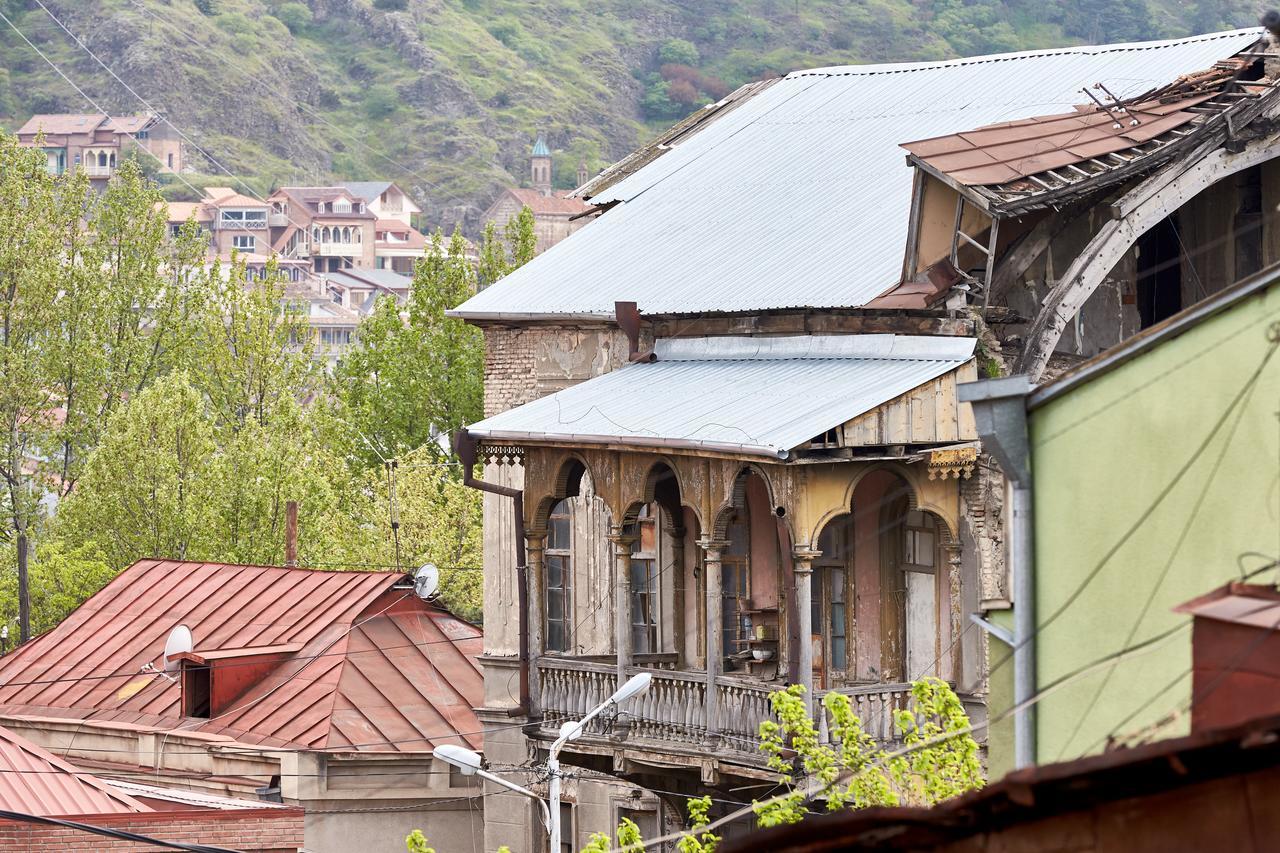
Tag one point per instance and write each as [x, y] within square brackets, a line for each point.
[98, 143]
[556, 214]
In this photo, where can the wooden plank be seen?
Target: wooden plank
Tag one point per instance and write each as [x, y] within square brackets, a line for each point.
[944, 408]
[896, 417]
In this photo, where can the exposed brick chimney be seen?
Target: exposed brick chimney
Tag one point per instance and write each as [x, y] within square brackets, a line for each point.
[1235, 655]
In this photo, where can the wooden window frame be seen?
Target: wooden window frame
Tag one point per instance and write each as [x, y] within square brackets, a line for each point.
[562, 553]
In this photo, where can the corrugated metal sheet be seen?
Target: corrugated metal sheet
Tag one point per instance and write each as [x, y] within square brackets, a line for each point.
[341, 690]
[799, 197]
[35, 781]
[762, 396]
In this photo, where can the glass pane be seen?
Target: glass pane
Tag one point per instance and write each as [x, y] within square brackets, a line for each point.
[555, 604]
[555, 571]
[915, 518]
[837, 653]
[559, 534]
[922, 625]
[639, 575]
[738, 540]
[924, 548]
[837, 586]
[815, 606]
[555, 637]
[837, 620]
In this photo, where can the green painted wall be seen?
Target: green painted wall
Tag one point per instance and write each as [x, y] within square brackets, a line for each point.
[1102, 454]
[1000, 700]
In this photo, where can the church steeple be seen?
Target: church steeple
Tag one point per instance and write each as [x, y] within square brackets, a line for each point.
[583, 174]
[540, 166]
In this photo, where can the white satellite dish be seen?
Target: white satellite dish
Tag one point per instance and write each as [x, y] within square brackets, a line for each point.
[179, 641]
[426, 582]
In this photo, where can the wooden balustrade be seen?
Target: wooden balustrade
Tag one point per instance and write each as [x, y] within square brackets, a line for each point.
[874, 705]
[674, 708]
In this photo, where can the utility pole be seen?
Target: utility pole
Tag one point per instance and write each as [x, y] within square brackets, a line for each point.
[24, 588]
[291, 534]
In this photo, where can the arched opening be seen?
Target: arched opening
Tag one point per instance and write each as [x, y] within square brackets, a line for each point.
[881, 594]
[666, 621]
[102, 158]
[750, 580]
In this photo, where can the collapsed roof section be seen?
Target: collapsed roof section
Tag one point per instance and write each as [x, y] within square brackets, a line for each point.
[1013, 167]
[793, 194]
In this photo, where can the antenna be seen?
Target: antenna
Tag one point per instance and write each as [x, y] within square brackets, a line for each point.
[426, 582]
[179, 642]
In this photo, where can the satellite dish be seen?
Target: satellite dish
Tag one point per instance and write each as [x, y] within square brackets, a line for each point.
[426, 582]
[179, 641]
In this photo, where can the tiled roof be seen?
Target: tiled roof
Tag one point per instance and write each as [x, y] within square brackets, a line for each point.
[181, 211]
[557, 204]
[62, 123]
[799, 197]
[376, 668]
[35, 781]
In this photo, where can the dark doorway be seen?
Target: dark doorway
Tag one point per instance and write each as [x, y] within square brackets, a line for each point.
[1159, 273]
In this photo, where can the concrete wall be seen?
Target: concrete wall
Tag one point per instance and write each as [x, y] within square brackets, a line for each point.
[1103, 455]
[337, 826]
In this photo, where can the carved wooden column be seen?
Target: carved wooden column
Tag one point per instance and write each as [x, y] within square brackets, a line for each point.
[803, 563]
[713, 550]
[622, 598]
[953, 551]
[535, 543]
[677, 594]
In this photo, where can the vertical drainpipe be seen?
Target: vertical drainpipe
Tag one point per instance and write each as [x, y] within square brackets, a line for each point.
[464, 447]
[1000, 411]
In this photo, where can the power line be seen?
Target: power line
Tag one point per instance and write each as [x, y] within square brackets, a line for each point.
[1168, 565]
[120, 834]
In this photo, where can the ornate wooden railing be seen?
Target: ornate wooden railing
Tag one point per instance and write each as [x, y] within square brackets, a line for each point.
[674, 709]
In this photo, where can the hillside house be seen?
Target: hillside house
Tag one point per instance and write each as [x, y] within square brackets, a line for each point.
[730, 403]
[322, 690]
[332, 226]
[556, 213]
[98, 143]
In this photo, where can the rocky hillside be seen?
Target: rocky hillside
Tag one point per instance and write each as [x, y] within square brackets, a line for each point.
[445, 96]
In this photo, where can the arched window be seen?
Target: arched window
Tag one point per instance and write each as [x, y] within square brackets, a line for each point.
[315, 234]
[111, 161]
[645, 595]
[735, 585]
[102, 158]
[558, 574]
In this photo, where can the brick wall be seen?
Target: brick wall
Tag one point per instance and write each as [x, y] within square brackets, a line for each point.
[523, 364]
[250, 830]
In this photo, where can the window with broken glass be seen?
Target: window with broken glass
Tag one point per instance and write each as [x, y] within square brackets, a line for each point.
[644, 582]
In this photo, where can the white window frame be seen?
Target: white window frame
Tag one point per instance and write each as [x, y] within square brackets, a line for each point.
[237, 241]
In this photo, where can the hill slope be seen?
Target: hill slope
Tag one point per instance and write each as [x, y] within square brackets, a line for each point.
[445, 96]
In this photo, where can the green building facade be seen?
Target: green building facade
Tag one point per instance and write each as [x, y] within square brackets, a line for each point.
[1155, 477]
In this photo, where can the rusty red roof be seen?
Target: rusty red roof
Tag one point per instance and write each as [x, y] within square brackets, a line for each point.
[549, 205]
[375, 667]
[1000, 153]
[62, 123]
[36, 781]
[1255, 605]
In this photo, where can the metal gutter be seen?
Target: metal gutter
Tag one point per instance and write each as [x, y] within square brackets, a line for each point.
[517, 316]
[1148, 338]
[1000, 413]
[774, 453]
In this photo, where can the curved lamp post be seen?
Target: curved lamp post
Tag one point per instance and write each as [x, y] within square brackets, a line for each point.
[570, 730]
[469, 761]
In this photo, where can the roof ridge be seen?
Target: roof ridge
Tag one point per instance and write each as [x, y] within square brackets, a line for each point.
[1083, 50]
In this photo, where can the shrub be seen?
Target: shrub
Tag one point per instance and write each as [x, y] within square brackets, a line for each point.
[678, 52]
[381, 101]
[295, 16]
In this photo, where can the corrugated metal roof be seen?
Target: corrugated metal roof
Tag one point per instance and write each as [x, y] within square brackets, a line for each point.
[35, 781]
[799, 197]
[761, 396]
[340, 691]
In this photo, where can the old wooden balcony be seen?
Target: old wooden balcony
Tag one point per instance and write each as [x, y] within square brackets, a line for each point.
[670, 721]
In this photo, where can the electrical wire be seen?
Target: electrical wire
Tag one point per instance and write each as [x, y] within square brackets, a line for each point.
[1158, 584]
[108, 832]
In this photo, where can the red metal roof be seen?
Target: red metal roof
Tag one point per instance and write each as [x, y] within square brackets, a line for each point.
[553, 205]
[36, 781]
[1255, 605]
[377, 668]
[1000, 153]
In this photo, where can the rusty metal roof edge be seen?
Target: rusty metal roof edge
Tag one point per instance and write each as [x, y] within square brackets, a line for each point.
[769, 452]
[1013, 799]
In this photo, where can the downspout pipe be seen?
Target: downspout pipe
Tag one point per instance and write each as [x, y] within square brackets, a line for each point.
[464, 447]
[1000, 411]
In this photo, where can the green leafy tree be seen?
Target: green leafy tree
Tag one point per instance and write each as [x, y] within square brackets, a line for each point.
[678, 52]
[522, 241]
[700, 839]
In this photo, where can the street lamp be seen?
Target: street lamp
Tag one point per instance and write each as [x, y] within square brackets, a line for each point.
[570, 730]
[468, 761]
